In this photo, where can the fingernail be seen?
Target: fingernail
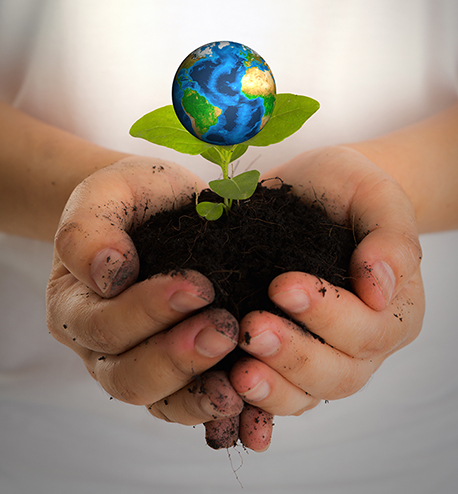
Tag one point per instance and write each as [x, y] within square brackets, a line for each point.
[212, 343]
[258, 392]
[294, 301]
[105, 268]
[264, 344]
[185, 302]
[385, 279]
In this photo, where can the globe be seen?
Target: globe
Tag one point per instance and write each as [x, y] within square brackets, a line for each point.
[224, 93]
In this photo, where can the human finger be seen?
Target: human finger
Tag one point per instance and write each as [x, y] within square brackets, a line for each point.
[222, 433]
[255, 428]
[207, 398]
[346, 323]
[77, 316]
[388, 253]
[262, 386]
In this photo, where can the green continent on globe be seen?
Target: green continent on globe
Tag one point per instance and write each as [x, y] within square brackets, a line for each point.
[250, 56]
[202, 114]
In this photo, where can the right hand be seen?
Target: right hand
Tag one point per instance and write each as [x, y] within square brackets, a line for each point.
[290, 370]
[140, 341]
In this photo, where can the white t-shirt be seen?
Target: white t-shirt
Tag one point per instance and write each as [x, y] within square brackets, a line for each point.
[93, 68]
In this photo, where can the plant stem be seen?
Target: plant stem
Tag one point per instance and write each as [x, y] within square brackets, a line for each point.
[226, 155]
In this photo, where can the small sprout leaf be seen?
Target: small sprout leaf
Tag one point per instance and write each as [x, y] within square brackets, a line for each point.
[238, 188]
[162, 127]
[211, 211]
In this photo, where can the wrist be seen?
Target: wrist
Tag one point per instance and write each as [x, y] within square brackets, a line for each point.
[40, 165]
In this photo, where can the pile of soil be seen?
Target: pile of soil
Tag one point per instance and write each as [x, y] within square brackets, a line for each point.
[241, 253]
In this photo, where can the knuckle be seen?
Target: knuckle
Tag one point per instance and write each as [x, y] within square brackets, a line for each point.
[57, 329]
[157, 314]
[98, 340]
[378, 344]
[181, 369]
[312, 404]
[354, 380]
[299, 364]
[412, 250]
[81, 319]
[100, 336]
[63, 237]
[155, 411]
[51, 309]
[115, 380]
[190, 414]
[181, 411]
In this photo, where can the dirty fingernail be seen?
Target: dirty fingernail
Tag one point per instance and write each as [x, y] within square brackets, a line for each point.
[385, 279]
[264, 344]
[185, 302]
[212, 343]
[105, 268]
[294, 301]
[258, 392]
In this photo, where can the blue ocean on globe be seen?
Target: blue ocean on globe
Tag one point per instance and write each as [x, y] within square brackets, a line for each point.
[224, 93]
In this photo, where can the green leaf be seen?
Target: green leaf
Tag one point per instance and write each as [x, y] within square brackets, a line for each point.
[162, 127]
[211, 211]
[238, 188]
[290, 113]
[214, 155]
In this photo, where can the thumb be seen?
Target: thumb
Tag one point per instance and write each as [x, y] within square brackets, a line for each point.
[93, 241]
[381, 265]
[390, 253]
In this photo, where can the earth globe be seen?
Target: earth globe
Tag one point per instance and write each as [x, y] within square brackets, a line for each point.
[224, 93]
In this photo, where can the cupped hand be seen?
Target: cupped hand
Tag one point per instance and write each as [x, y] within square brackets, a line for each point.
[347, 335]
[143, 342]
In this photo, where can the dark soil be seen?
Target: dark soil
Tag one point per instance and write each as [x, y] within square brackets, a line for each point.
[241, 253]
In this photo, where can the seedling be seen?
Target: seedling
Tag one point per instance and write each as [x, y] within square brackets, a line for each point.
[163, 127]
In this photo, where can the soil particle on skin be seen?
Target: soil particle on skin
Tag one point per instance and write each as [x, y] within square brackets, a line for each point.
[247, 337]
[241, 253]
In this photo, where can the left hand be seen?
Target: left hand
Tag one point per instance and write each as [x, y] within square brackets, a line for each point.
[291, 370]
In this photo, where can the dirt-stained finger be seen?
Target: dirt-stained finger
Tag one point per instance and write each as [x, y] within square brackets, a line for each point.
[77, 315]
[208, 397]
[255, 428]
